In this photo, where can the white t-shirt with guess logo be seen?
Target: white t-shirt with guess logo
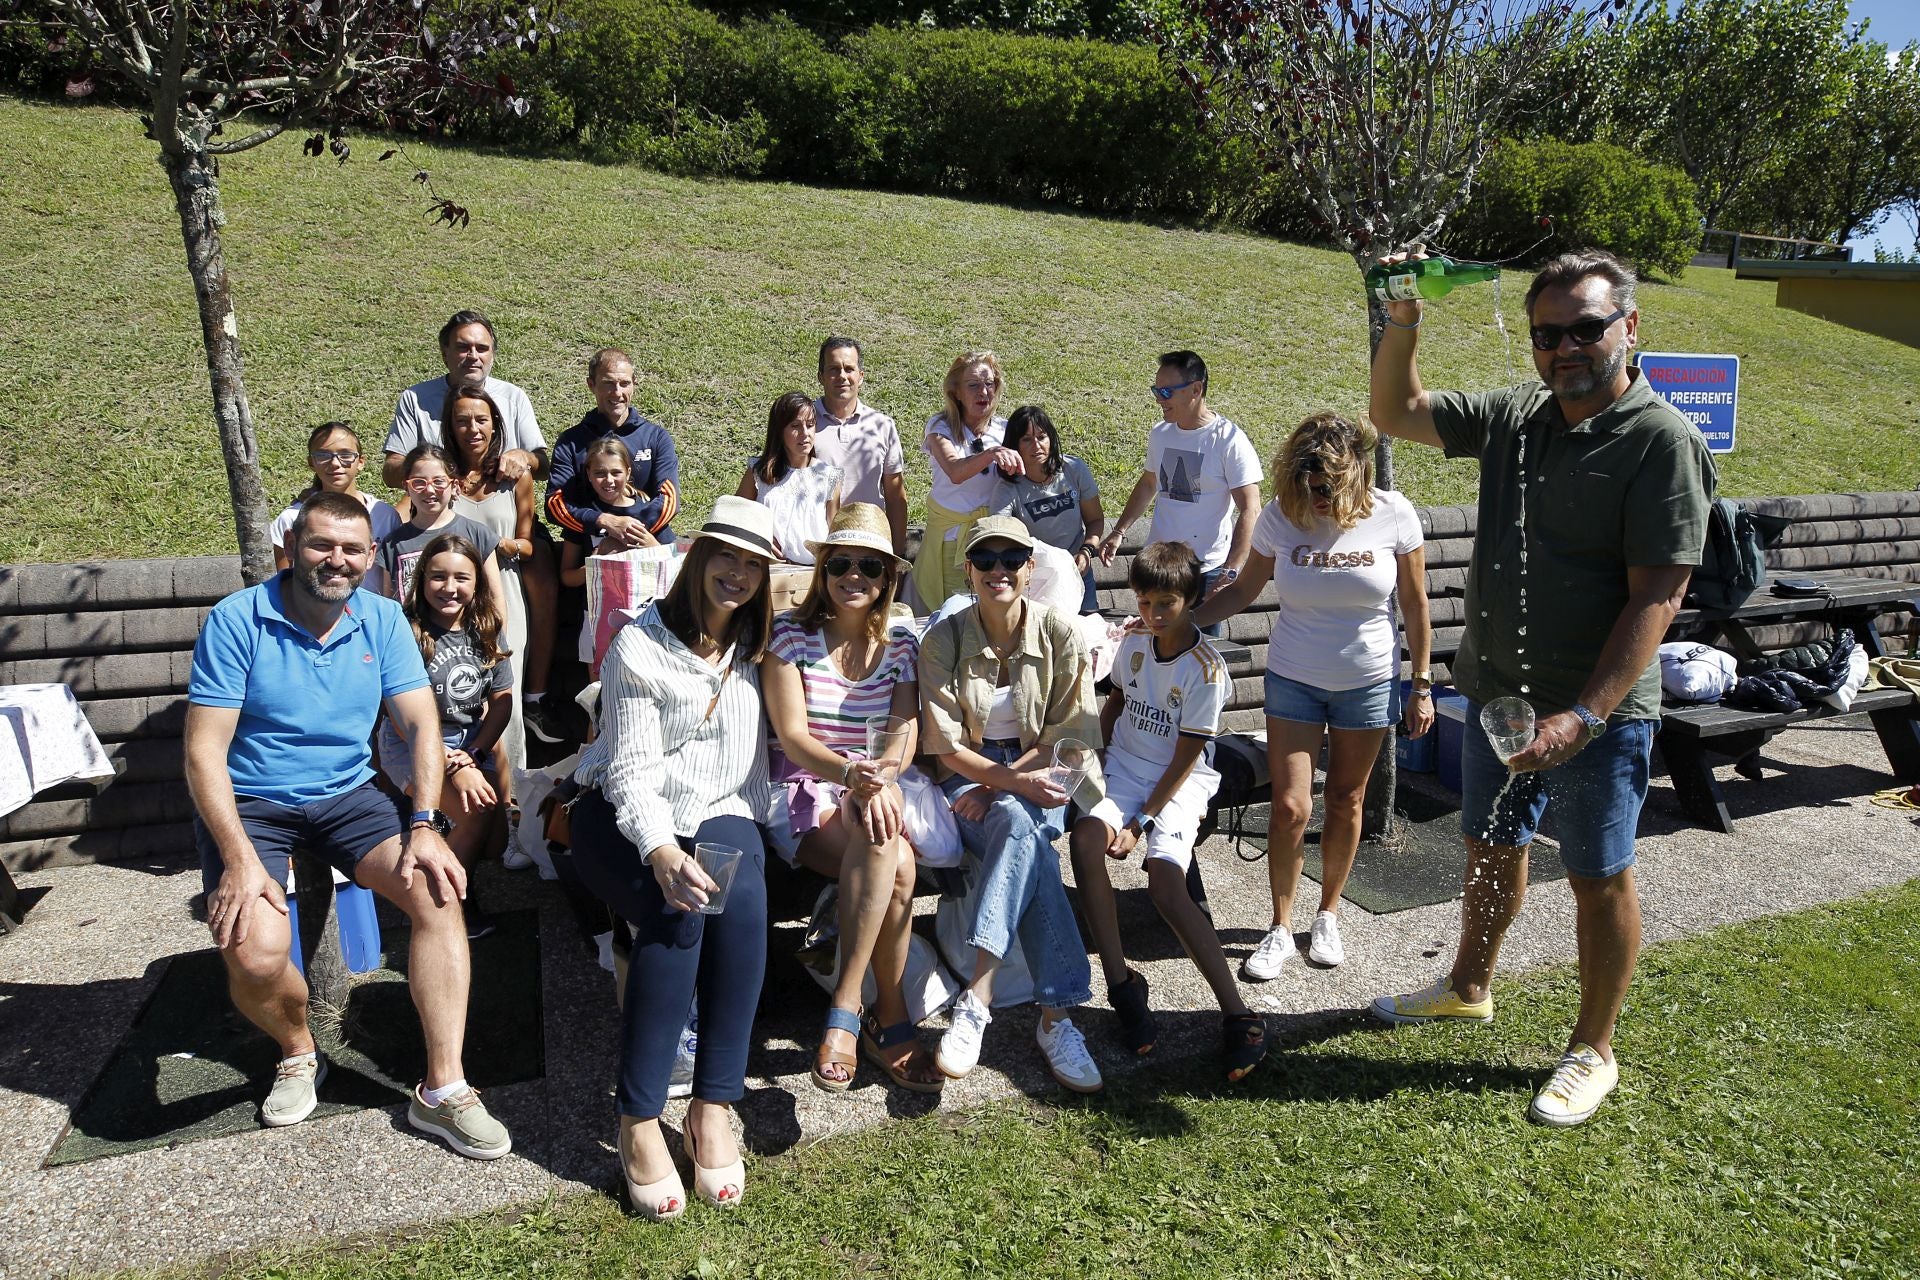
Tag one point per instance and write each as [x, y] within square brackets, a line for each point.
[1333, 630]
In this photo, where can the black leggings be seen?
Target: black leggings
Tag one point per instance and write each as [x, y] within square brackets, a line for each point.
[678, 957]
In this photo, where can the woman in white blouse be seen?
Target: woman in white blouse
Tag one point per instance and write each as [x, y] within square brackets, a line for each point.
[789, 477]
[682, 758]
[964, 443]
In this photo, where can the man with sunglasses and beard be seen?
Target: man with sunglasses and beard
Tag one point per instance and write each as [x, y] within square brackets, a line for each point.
[1592, 514]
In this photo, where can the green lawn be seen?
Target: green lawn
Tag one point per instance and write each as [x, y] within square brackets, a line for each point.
[1765, 1126]
[723, 291]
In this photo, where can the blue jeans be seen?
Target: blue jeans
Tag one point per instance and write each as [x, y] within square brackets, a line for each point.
[1209, 578]
[680, 958]
[1597, 796]
[1014, 890]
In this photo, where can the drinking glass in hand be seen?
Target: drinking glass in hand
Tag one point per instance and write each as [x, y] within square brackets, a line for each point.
[887, 744]
[1509, 726]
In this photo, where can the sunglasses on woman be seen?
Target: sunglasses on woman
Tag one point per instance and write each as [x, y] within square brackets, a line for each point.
[1546, 337]
[869, 566]
[1010, 559]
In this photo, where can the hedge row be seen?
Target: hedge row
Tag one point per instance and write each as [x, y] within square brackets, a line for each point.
[1094, 125]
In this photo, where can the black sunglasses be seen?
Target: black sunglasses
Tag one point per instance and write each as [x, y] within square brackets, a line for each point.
[1546, 337]
[1010, 559]
[1305, 473]
[870, 566]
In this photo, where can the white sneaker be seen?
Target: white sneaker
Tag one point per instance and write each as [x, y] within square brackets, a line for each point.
[513, 857]
[1270, 956]
[1579, 1084]
[1067, 1057]
[1326, 948]
[959, 1051]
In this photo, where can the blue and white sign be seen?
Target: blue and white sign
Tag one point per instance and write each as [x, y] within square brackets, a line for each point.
[1705, 390]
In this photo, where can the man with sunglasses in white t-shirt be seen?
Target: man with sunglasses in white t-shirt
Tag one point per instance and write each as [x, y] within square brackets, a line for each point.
[1593, 510]
[1202, 476]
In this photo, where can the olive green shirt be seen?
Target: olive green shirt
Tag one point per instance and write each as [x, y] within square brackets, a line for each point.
[1629, 487]
[1050, 674]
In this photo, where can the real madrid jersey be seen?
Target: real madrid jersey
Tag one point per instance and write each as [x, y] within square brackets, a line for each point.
[1166, 698]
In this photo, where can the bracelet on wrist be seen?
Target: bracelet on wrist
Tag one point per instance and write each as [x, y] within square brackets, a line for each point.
[1399, 325]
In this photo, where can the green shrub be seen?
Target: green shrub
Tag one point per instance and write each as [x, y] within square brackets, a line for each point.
[1097, 126]
[1534, 199]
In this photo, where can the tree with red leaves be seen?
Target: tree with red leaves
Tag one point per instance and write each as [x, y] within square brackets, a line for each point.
[223, 76]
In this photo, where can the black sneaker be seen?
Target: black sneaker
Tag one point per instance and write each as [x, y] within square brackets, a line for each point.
[1129, 1000]
[479, 922]
[544, 720]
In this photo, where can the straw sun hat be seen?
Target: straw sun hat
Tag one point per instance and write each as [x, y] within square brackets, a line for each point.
[861, 525]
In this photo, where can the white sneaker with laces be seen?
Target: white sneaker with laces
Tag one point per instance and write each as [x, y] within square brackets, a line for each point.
[513, 857]
[1067, 1057]
[1576, 1089]
[959, 1051]
[1270, 956]
[1326, 947]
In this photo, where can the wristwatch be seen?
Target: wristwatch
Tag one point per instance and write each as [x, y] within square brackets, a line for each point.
[1595, 725]
[440, 822]
[1145, 821]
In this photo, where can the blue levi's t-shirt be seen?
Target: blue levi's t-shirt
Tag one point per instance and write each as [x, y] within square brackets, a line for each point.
[307, 707]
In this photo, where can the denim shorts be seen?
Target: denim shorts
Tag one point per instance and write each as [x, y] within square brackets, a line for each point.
[1371, 706]
[1597, 796]
[342, 829]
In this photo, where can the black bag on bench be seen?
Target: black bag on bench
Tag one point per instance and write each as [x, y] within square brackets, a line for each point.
[1733, 563]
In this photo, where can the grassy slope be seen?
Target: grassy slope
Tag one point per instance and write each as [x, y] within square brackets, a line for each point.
[723, 290]
[1765, 1126]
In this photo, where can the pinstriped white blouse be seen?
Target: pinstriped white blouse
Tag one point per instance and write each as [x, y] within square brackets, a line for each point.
[660, 760]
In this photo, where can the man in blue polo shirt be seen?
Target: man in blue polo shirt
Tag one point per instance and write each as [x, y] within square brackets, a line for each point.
[288, 679]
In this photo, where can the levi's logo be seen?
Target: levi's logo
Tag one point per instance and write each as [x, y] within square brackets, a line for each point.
[1307, 557]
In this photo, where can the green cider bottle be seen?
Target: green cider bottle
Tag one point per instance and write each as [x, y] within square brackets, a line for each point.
[1425, 279]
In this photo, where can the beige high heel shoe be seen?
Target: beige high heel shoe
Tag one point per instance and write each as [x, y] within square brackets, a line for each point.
[654, 1201]
[722, 1187]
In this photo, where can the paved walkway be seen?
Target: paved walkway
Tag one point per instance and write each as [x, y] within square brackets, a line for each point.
[74, 977]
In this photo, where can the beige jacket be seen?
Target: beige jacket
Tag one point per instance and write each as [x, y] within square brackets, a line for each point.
[1051, 678]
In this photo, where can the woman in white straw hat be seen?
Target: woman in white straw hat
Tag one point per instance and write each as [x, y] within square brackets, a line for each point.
[682, 759]
[1007, 695]
[841, 682]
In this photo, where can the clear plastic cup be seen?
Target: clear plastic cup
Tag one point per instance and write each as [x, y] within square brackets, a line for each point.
[1071, 759]
[721, 862]
[887, 743]
[1509, 725]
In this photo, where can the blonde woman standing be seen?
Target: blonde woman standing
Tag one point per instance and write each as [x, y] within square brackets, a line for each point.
[965, 443]
[1335, 549]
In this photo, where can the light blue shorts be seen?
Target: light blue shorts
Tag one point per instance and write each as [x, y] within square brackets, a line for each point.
[1370, 706]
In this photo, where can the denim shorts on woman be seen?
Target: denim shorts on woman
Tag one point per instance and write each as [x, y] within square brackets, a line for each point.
[1596, 796]
[1368, 707]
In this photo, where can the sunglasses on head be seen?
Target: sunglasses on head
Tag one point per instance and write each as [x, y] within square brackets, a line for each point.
[869, 566]
[1009, 559]
[1546, 337]
[1166, 393]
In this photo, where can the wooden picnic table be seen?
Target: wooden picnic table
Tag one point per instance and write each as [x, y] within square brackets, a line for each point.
[1690, 731]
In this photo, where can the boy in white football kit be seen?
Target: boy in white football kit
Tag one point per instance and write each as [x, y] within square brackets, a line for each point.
[1170, 690]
